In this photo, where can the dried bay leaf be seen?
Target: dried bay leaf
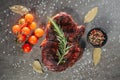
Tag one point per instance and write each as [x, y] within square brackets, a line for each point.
[37, 66]
[91, 15]
[19, 9]
[96, 55]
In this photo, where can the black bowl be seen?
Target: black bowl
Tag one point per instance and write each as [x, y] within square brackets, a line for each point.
[105, 36]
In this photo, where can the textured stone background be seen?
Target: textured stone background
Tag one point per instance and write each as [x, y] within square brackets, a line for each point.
[14, 65]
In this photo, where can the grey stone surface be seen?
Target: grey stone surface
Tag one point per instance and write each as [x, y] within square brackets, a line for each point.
[15, 65]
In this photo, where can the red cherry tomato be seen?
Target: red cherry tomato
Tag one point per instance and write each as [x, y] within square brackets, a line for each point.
[33, 25]
[26, 48]
[25, 30]
[22, 21]
[33, 39]
[16, 29]
[29, 17]
[21, 38]
[39, 32]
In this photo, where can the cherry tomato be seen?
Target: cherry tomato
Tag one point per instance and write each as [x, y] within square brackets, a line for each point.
[26, 47]
[25, 30]
[22, 21]
[29, 17]
[21, 38]
[33, 39]
[39, 32]
[16, 29]
[33, 25]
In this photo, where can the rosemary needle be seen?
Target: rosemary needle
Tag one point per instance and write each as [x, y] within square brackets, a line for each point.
[63, 48]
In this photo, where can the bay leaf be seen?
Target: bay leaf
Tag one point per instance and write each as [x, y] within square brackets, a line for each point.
[37, 66]
[19, 9]
[91, 15]
[96, 56]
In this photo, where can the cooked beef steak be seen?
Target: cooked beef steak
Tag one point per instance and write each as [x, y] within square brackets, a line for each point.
[49, 45]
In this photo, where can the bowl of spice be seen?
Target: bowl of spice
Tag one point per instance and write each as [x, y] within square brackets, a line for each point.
[97, 37]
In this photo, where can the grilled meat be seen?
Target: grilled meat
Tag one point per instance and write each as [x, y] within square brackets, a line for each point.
[72, 32]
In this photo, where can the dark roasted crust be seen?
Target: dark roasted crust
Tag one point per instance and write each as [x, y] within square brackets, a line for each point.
[50, 44]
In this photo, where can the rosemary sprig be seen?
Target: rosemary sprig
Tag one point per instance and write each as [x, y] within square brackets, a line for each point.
[63, 48]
